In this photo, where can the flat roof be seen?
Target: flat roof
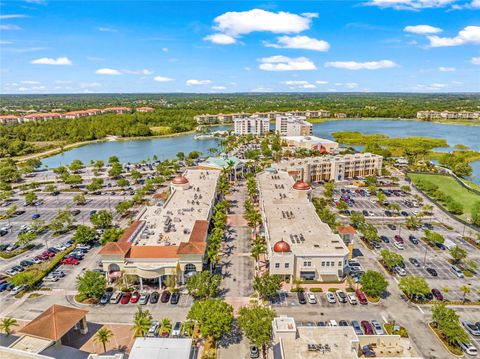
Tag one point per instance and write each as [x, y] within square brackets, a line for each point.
[326, 159]
[313, 139]
[341, 341]
[31, 344]
[161, 348]
[182, 209]
[293, 218]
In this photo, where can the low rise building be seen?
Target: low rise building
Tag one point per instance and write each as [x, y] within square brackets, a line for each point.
[328, 168]
[161, 348]
[252, 125]
[438, 115]
[118, 110]
[145, 109]
[41, 116]
[170, 240]
[299, 245]
[293, 125]
[10, 119]
[311, 143]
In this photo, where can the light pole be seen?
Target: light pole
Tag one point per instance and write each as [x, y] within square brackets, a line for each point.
[425, 256]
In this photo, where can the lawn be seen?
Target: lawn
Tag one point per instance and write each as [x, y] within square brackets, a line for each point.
[451, 187]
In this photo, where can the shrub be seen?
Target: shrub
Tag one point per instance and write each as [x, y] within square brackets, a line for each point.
[316, 290]
[298, 289]
[332, 290]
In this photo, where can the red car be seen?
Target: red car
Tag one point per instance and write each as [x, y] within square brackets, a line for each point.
[48, 254]
[399, 239]
[135, 297]
[126, 298]
[361, 297]
[367, 327]
[437, 294]
[42, 257]
[69, 261]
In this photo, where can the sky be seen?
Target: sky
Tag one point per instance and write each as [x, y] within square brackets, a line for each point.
[246, 46]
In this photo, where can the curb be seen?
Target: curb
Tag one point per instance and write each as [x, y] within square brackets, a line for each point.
[443, 344]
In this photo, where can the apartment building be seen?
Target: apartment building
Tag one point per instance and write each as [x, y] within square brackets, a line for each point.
[145, 109]
[438, 115]
[293, 125]
[299, 245]
[81, 113]
[118, 110]
[10, 119]
[170, 240]
[332, 168]
[252, 125]
[41, 116]
[226, 118]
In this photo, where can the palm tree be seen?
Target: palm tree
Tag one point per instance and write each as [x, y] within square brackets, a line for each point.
[465, 289]
[7, 323]
[165, 326]
[141, 325]
[103, 336]
[258, 248]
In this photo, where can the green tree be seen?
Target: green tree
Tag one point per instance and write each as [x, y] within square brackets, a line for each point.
[11, 211]
[122, 182]
[30, 197]
[50, 188]
[413, 285]
[373, 283]
[76, 165]
[79, 199]
[38, 226]
[267, 285]
[123, 207]
[165, 326]
[84, 234]
[98, 165]
[256, 324]
[476, 213]
[465, 289]
[24, 239]
[357, 219]
[111, 235]
[433, 237]
[6, 325]
[103, 336]
[203, 285]
[95, 185]
[412, 222]
[142, 322]
[391, 259]
[62, 222]
[370, 232]
[113, 159]
[447, 321]
[214, 317]
[328, 189]
[115, 170]
[458, 254]
[74, 180]
[91, 284]
[102, 219]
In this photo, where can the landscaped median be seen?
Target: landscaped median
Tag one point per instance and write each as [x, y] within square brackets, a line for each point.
[453, 350]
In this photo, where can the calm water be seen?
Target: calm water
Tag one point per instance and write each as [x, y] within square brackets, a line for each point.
[137, 150]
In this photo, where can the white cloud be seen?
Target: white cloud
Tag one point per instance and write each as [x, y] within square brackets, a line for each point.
[320, 82]
[138, 72]
[446, 69]
[106, 29]
[296, 84]
[52, 61]
[107, 71]
[12, 16]
[165, 49]
[469, 35]
[10, 27]
[194, 82]
[475, 60]
[218, 88]
[247, 68]
[87, 85]
[410, 4]
[220, 39]
[475, 4]
[431, 87]
[162, 79]
[29, 82]
[354, 65]
[5, 42]
[300, 42]
[284, 63]
[422, 29]
[261, 89]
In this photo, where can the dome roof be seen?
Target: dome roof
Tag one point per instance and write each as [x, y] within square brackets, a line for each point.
[301, 186]
[281, 247]
[180, 180]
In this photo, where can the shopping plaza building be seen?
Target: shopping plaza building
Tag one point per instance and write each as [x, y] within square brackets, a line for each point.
[169, 239]
[328, 168]
[299, 245]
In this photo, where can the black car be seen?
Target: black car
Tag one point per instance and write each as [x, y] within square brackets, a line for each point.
[385, 239]
[388, 213]
[19, 212]
[415, 262]
[441, 246]
[413, 239]
[3, 232]
[106, 297]
[428, 226]
[301, 298]
[175, 298]
[392, 226]
[75, 212]
[321, 324]
[165, 296]
[343, 323]
[403, 213]
[254, 352]
[365, 213]
[432, 271]
[154, 297]
[53, 250]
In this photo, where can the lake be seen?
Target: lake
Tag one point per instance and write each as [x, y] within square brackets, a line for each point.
[168, 147]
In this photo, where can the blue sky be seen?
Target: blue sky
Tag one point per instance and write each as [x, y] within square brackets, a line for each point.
[218, 46]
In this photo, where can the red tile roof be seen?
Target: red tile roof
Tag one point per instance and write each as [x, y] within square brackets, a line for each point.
[346, 230]
[115, 249]
[153, 252]
[130, 230]
[197, 242]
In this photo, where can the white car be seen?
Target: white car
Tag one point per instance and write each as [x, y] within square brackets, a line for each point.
[83, 246]
[398, 245]
[11, 272]
[400, 271]
[311, 298]
[352, 299]
[50, 278]
[176, 330]
[332, 323]
[152, 332]
[18, 289]
[377, 328]
[471, 328]
[341, 296]
[457, 272]
[469, 348]
[331, 298]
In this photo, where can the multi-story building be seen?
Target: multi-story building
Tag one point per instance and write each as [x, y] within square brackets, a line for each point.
[118, 110]
[41, 116]
[226, 118]
[169, 240]
[328, 168]
[299, 245]
[10, 119]
[145, 109]
[293, 125]
[438, 115]
[311, 143]
[252, 125]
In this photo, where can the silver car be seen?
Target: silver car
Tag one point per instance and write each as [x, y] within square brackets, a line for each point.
[472, 328]
[377, 328]
[331, 298]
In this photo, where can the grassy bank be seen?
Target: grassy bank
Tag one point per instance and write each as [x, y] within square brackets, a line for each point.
[450, 186]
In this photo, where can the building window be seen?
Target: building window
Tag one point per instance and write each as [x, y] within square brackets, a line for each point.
[323, 264]
[340, 263]
[332, 264]
[307, 264]
[287, 265]
[277, 265]
[328, 264]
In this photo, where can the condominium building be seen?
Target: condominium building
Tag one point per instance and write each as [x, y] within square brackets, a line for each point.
[328, 168]
[291, 125]
[252, 125]
[226, 118]
[299, 245]
[438, 115]
[170, 240]
[145, 109]
[10, 119]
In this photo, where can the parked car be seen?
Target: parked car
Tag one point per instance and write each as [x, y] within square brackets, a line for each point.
[367, 327]
[154, 297]
[152, 332]
[414, 261]
[18, 289]
[301, 298]
[357, 328]
[352, 299]
[437, 294]
[134, 298]
[175, 298]
[51, 278]
[332, 323]
[341, 296]
[413, 239]
[58, 273]
[432, 271]
[4, 286]
[472, 328]
[457, 271]
[143, 298]
[398, 245]
[331, 298]
[254, 352]
[311, 298]
[392, 226]
[343, 323]
[165, 297]
[469, 348]
[176, 330]
[106, 297]
[440, 245]
[125, 297]
[376, 244]
[35, 216]
[377, 328]
[368, 352]
[70, 261]
[400, 271]
[115, 298]
[75, 212]
[385, 239]
[361, 297]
